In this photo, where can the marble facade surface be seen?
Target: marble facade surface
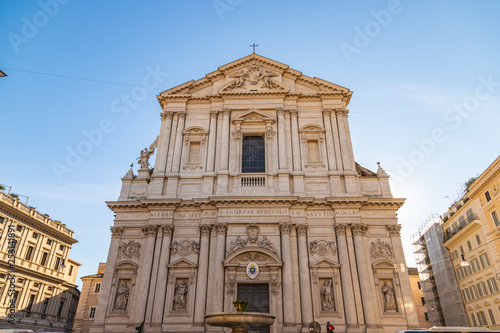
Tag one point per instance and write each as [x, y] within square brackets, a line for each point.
[322, 230]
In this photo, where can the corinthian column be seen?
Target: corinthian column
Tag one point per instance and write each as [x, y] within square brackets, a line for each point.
[286, 253]
[178, 142]
[116, 235]
[281, 139]
[369, 307]
[201, 284]
[144, 273]
[345, 275]
[305, 280]
[161, 282]
[220, 229]
[212, 136]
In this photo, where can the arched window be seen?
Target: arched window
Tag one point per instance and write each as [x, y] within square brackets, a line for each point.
[253, 155]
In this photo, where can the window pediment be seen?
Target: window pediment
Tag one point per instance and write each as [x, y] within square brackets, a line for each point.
[253, 116]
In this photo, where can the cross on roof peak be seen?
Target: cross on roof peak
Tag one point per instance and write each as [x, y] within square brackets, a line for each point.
[254, 46]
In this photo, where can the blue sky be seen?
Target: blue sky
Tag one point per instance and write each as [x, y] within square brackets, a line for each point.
[425, 77]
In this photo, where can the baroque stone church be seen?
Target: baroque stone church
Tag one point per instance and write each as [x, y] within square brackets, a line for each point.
[255, 195]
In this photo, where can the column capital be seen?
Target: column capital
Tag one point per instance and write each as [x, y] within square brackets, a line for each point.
[341, 112]
[205, 230]
[213, 114]
[220, 228]
[149, 230]
[116, 231]
[285, 228]
[167, 229]
[340, 229]
[326, 112]
[294, 112]
[226, 112]
[166, 115]
[394, 229]
[359, 229]
[302, 229]
[280, 111]
[181, 114]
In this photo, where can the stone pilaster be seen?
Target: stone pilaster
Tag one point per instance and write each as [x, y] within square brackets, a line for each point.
[105, 297]
[365, 279]
[144, 273]
[402, 271]
[163, 142]
[201, 284]
[330, 148]
[288, 299]
[220, 229]
[212, 137]
[225, 140]
[305, 279]
[178, 142]
[161, 283]
[281, 139]
[346, 277]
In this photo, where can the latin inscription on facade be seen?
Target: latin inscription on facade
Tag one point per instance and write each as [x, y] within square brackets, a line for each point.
[253, 212]
[346, 212]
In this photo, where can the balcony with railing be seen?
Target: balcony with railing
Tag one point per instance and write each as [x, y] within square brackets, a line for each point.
[462, 224]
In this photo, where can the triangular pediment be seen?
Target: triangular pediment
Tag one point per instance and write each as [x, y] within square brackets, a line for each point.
[325, 262]
[253, 116]
[254, 74]
[183, 263]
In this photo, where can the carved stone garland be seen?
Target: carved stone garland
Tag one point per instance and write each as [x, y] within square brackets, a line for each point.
[185, 247]
[129, 250]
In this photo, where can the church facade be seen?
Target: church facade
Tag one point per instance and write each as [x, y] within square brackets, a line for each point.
[255, 195]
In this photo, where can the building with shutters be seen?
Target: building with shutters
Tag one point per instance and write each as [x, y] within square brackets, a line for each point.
[37, 277]
[255, 195]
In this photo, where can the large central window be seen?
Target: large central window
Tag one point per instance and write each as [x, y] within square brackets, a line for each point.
[253, 155]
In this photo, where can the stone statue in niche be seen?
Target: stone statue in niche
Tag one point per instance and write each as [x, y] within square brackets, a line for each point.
[180, 295]
[327, 303]
[122, 295]
[390, 304]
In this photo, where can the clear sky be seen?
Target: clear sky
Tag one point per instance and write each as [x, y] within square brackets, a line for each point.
[425, 77]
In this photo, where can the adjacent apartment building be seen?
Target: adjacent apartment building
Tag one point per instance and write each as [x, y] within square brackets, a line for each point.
[471, 234]
[91, 289]
[37, 278]
[418, 298]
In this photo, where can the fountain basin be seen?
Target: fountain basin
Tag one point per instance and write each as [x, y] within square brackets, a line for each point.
[238, 320]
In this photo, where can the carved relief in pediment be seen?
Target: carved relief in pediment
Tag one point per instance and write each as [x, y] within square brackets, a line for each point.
[253, 77]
